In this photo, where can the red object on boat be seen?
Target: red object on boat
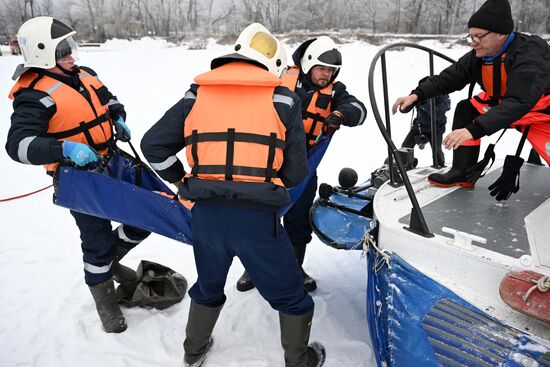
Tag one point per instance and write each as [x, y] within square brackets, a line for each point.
[515, 286]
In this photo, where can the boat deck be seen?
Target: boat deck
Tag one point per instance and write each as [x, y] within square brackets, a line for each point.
[502, 223]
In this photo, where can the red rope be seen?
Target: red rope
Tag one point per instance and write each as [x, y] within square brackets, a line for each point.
[24, 195]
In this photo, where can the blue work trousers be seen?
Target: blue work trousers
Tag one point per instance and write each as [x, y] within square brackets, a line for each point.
[100, 242]
[262, 245]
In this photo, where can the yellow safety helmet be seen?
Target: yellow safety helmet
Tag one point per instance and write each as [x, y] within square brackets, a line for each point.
[256, 44]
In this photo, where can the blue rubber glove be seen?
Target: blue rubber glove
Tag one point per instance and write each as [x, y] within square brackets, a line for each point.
[122, 130]
[80, 154]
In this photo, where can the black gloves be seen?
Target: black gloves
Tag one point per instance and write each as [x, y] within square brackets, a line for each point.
[332, 123]
[508, 182]
[478, 170]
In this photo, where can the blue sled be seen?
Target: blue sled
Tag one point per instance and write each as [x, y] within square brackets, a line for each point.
[339, 228]
[127, 191]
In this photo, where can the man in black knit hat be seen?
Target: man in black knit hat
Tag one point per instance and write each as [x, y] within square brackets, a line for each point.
[513, 69]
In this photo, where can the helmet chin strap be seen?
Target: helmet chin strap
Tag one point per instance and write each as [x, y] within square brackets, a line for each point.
[71, 72]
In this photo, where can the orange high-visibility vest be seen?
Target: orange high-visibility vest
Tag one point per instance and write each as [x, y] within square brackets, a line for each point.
[76, 119]
[318, 108]
[233, 131]
[494, 79]
[494, 76]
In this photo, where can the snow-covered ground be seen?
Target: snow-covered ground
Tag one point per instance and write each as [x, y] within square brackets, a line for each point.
[47, 315]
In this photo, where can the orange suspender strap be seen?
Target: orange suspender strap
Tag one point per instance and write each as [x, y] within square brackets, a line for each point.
[497, 82]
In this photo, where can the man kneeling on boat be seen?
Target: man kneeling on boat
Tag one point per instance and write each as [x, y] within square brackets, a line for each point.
[513, 69]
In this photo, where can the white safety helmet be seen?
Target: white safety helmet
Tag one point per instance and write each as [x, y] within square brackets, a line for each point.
[257, 44]
[43, 41]
[322, 51]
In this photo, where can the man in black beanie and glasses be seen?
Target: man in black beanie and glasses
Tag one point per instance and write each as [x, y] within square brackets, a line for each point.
[513, 70]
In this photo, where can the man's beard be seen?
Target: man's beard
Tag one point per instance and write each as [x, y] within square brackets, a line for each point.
[322, 82]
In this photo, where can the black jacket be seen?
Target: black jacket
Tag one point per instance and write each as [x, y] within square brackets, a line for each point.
[527, 65]
[166, 138]
[30, 120]
[352, 109]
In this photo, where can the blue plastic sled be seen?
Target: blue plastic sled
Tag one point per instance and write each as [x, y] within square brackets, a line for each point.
[127, 191]
[339, 228]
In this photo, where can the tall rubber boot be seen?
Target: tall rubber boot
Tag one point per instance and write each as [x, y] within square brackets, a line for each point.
[198, 332]
[294, 339]
[245, 283]
[463, 158]
[121, 273]
[309, 283]
[107, 307]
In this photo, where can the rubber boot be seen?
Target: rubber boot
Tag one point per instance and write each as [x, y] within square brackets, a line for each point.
[309, 283]
[198, 332]
[121, 273]
[463, 158]
[245, 283]
[107, 307]
[294, 339]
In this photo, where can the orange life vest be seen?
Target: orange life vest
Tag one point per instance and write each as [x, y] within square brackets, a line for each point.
[76, 119]
[233, 131]
[494, 79]
[318, 108]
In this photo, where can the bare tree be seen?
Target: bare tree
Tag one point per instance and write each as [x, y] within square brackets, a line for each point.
[100, 19]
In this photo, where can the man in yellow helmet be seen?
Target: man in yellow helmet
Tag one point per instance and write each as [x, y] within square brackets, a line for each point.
[244, 141]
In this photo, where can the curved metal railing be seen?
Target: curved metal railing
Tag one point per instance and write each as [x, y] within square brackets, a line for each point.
[417, 223]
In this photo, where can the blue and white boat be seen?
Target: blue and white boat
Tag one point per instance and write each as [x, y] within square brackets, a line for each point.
[437, 258]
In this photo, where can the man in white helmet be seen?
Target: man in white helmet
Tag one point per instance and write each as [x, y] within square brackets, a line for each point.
[64, 112]
[244, 141]
[326, 105]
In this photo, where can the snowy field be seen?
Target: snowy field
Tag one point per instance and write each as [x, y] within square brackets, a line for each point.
[47, 315]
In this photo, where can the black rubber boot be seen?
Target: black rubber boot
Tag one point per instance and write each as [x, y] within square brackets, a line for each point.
[245, 283]
[107, 307]
[121, 273]
[294, 339]
[463, 158]
[309, 283]
[198, 332]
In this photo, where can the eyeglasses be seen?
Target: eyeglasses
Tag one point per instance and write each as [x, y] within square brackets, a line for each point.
[476, 39]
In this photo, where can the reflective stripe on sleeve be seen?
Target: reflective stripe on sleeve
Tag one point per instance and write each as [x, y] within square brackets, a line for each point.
[47, 101]
[23, 149]
[164, 165]
[363, 114]
[190, 95]
[279, 98]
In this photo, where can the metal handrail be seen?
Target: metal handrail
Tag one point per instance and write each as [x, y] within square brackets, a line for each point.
[417, 223]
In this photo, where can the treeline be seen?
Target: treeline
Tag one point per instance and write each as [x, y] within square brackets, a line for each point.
[98, 20]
